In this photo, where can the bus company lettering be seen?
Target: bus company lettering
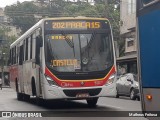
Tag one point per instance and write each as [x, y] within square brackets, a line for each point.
[64, 84]
[64, 62]
[76, 25]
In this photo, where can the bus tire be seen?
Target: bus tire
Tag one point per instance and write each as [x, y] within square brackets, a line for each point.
[39, 101]
[117, 95]
[26, 97]
[92, 102]
[19, 95]
[33, 87]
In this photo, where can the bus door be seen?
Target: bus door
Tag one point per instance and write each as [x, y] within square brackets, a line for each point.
[38, 68]
[148, 27]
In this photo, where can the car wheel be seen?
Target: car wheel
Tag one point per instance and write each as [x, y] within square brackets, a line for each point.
[132, 96]
[138, 99]
[117, 95]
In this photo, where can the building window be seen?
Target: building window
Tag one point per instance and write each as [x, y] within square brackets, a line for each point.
[130, 42]
[131, 6]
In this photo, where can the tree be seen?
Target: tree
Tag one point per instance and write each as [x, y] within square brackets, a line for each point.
[20, 15]
[5, 42]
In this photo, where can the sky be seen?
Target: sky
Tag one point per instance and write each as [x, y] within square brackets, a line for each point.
[10, 2]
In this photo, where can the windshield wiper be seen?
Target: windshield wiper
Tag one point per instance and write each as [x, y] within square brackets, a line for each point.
[69, 41]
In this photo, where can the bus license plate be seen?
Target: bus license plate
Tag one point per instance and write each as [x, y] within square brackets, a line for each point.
[82, 95]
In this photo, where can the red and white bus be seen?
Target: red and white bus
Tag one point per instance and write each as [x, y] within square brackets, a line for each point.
[65, 58]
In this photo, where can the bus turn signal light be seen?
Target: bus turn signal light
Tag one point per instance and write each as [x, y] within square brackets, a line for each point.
[149, 97]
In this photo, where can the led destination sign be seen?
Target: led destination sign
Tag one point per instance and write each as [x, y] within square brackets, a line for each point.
[76, 25]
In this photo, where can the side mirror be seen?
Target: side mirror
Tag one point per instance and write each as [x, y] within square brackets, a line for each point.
[130, 81]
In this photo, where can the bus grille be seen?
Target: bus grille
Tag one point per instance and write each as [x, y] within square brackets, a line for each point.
[73, 93]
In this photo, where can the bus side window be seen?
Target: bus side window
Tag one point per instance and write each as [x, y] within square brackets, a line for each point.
[14, 55]
[26, 51]
[21, 55]
[10, 57]
[18, 50]
[15, 51]
[31, 44]
[24, 48]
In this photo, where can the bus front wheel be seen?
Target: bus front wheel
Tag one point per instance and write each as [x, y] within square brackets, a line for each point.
[92, 102]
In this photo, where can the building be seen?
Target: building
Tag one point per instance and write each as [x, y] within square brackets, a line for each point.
[10, 30]
[128, 34]
[5, 22]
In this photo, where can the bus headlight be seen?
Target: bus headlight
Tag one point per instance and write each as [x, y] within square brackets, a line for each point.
[111, 79]
[50, 81]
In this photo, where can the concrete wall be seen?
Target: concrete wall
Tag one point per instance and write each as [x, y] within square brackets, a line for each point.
[128, 19]
[128, 24]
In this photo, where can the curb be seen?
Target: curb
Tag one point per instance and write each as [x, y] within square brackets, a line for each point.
[6, 87]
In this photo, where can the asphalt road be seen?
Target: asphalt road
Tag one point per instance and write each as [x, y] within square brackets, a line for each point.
[71, 110]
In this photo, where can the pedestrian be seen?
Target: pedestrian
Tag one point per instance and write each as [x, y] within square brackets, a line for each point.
[1, 83]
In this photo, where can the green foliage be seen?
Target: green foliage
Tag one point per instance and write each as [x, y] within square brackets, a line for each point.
[5, 42]
[22, 14]
[17, 12]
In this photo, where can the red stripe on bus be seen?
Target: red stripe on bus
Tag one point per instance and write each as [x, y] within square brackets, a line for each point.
[80, 83]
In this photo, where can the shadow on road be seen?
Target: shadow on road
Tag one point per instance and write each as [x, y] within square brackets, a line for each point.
[67, 105]
[57, 108]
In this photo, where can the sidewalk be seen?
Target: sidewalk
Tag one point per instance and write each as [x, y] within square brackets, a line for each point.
[4, 86]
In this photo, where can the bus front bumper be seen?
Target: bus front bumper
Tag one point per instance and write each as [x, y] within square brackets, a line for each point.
[55, 92]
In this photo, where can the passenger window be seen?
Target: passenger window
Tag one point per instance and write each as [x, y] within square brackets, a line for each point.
[21, 55]
[26, 54]
[31, 44]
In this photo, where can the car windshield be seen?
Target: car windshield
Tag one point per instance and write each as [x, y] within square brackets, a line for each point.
[79, 52]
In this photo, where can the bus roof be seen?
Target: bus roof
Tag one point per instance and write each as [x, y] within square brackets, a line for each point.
[24, 36]
[75, 18]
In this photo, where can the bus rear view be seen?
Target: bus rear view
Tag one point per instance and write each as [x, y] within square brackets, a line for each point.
[148, 16]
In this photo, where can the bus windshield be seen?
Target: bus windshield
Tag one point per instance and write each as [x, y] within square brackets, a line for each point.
[79, 52]
[78, 45]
